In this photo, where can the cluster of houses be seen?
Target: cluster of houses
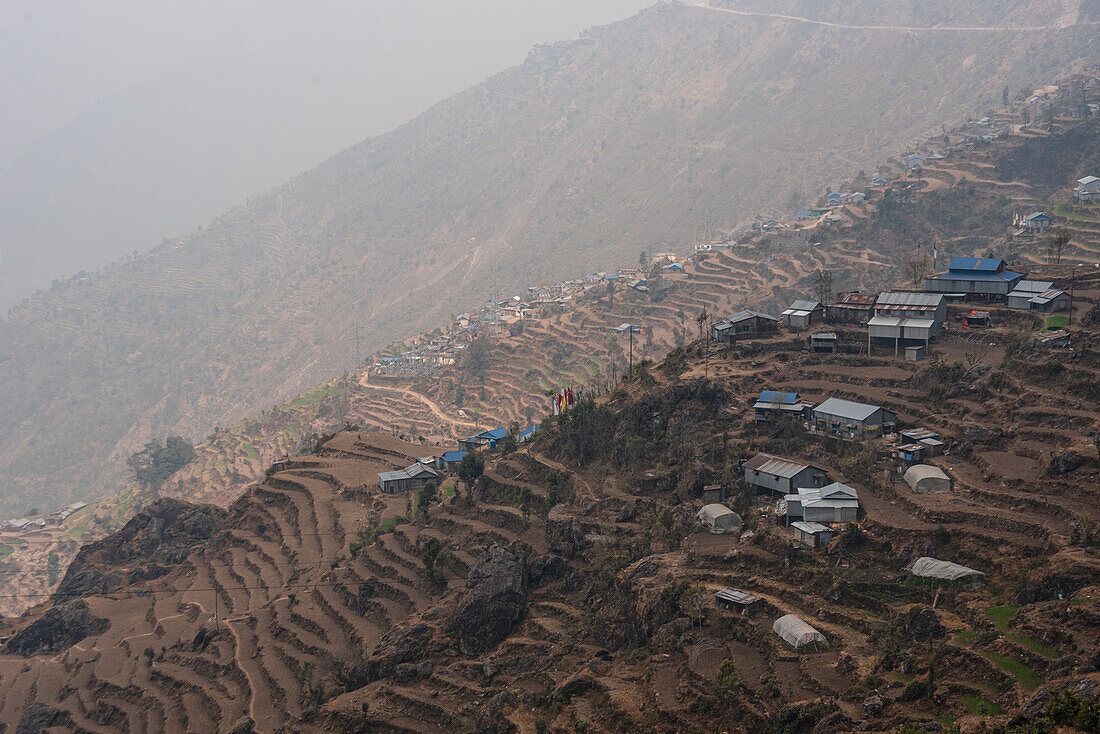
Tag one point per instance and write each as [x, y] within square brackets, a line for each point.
[433, 352]
[41, 522]
[988, 279]
[899, 317]
[435, 468]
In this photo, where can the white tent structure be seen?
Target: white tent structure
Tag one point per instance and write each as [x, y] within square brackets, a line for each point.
[719, 519]
[930, 568]
[927, 478]
[796, 633]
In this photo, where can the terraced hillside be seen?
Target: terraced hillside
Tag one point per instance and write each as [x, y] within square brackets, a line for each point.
[661, 129]
[569, 587]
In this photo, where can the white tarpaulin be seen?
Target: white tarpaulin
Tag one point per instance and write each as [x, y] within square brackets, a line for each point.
[719, 519]
[796, 632]
[933, 569]
[927, 478]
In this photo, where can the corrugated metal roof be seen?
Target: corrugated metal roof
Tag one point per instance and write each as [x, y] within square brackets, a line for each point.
[916, 434]
[856, 299]
[846, 409]
[774, 396]
[1031, 286]
[909, 300]
[735, 596]
[824, 336]
[805, 305]
[985, 264]
[775, 465]
[746, 315]
[810, 527]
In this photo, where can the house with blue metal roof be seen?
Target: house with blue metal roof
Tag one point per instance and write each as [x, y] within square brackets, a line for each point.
[774, 405]
[985, 278]
[525, 436]
[485, 439]
[452, 459]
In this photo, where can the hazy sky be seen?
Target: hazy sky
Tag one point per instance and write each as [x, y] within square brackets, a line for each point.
[139, 119]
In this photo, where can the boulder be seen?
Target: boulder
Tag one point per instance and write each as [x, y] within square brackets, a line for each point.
[1066, 462]
[543, 569]
[404, 673]
[495, 599]
[1085, 689]
[921, 623]
[564, 536]
[408, 642]
[244, 725]
[1055, 581]
[874, 706]
[575, 685]
[58, 628]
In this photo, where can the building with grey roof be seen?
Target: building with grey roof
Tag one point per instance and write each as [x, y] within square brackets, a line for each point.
[743, 325]
[909, 317]
[851, 419]
[411, 477]
[802, 314]
[776, 474]
[835, 502]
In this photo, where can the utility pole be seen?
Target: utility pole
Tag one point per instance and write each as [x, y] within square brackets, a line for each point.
[631, 350]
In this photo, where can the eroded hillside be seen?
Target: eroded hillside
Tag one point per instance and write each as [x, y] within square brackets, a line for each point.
[570, 586]
[661, 129]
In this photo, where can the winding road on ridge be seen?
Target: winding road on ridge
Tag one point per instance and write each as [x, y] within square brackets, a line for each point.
[829, 24]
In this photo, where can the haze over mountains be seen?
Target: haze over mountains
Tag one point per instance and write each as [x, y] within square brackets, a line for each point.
[129, 123]
[646, 134]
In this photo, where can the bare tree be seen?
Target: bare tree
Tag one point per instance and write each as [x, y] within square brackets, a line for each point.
[701, 319]
[823, 285]
[1056, 244]
[917, 267]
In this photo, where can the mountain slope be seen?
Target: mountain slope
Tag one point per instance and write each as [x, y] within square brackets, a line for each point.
[655, 130]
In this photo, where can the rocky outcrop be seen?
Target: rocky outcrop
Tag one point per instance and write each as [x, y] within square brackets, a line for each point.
[1066, 462]
[643, 599]
[162, 534]
[37, 719]
[495, 599]
[1055, 581]
[60, 627]
[564, 536]
[920, 623]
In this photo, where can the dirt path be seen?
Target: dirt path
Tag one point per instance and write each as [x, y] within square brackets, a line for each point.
[845, 26]
[431, 404]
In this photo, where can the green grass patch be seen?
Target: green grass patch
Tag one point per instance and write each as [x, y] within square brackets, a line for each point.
[387, 525]
[6, 550]
[965, 638]
[1063, 211]
[1034, 645]
[1028, 679]
[981, 706]
[880, 595]
[945, 720]
[314, 396]
[897, 675]
[1058, 321]
[1001, 616]
[984, 685]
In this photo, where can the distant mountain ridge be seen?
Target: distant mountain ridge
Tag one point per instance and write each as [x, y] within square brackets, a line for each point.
[645, 134]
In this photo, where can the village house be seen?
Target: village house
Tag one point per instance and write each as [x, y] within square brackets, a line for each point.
[527, 434]
[451, 460]
[743, 325]
[1038, 295]
[485, 439]
[835, 502]
[738, 601]
[852, 420]
[982, 278]
[824, 342]
[907, 316]
[802, 314]
[783, 476]
[412, 477]
[1036, 223]
[977, 320]
[774, 405]
[927, 439]
[1087, 189]
[914, 161]
[852, 308]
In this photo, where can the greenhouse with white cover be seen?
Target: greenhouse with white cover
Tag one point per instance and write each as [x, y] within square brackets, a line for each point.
[719, 519]
[797, 633]
[937, 570]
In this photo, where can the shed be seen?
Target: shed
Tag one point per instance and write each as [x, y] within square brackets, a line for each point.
[852, 308]
[1053, 339]
[812, 534]
[742, 325]
[802, 314]
[411, 477]
[923, 478]
[914, 354]
[741, 601]
[824, 342]
[977, 320]
[451, 459]
[931, 568]
[796, 633]
[713, 494]
[932, 446]
[782, 475]
[719, 519]
[852, 419]
[910, 452]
